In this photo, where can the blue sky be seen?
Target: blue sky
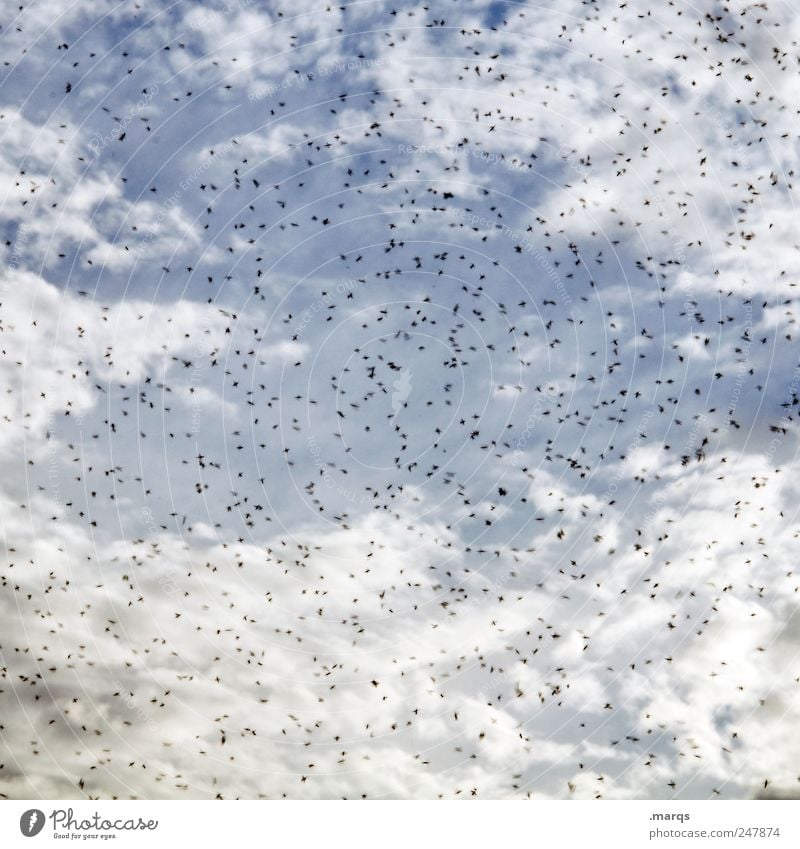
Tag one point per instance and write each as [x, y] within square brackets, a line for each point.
[405, 399]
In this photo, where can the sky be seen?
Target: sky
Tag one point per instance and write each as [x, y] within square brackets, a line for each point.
[399, 400]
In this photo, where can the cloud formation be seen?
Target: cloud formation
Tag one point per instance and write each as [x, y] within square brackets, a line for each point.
[398, 402]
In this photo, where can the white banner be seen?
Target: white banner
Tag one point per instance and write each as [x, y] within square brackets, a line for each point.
[403, 825]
